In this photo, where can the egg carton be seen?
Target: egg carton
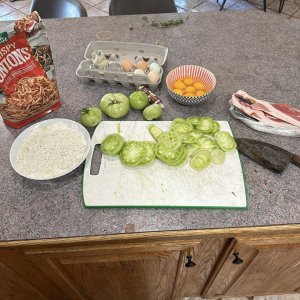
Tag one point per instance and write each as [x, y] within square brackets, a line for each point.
[115, 53]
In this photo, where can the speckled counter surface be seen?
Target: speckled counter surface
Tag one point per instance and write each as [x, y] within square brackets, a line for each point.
[249, 50]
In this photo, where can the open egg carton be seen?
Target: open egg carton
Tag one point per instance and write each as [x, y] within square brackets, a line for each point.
[125, 63]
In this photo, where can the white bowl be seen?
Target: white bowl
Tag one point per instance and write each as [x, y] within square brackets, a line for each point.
[22, 136]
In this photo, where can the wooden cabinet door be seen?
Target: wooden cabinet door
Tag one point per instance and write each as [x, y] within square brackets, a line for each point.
[126, 277]
[263, 266]
[120, 273]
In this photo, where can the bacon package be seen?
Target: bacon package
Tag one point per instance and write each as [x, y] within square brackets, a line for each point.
[28, 88]
[264, 116]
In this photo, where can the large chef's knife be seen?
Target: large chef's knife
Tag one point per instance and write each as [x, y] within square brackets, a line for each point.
[267, 155]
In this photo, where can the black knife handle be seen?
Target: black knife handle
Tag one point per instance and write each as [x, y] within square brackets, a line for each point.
[295, 159]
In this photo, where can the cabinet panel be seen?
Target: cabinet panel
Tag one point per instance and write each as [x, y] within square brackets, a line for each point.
[13, 286]
[274, 271]
[190, 281]
[140, 276]
[31, 273]
[136, 275]
[267, 268]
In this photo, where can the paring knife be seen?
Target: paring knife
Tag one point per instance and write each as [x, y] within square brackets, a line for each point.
[267, 155]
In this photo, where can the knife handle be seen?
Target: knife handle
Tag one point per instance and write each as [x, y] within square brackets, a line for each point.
[296, 160]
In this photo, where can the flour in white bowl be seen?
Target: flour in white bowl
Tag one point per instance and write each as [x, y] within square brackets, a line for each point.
[50, 151]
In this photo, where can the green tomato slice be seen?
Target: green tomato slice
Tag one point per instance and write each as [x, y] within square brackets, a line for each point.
[149, 153]
[191, 148]
[216, 127]
[136, 153]
[218, 156]
[206, 125]
[170, 156]
[196, 134]
[180, 125]
[200, 160]
[206, 142]
[188, 138]
[155, 131]
[225, 141]
[132, 153]
[112, 144]
[172, 138]
[178, 120]
[194, 120]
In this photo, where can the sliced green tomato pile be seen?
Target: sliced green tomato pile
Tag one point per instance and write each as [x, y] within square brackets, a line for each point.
[201, 139]
[112, 144]
[196, 138]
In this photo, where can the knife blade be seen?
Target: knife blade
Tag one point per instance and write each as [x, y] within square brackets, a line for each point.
[267, 155]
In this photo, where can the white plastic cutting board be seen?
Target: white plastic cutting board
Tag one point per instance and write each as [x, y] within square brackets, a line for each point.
[158, 185]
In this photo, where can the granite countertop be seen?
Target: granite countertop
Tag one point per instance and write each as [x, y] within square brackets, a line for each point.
[252, 50]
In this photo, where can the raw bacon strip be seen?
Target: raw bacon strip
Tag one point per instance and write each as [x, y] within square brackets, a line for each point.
[288, 110]
[265, 111]
[248, 110]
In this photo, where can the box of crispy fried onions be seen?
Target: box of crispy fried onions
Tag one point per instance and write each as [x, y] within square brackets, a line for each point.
[28, 88]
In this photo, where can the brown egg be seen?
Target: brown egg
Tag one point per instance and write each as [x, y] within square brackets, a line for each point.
[127, 65]
[142, 65]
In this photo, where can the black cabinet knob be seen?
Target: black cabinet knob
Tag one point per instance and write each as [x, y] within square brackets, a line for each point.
[189, 263]
[237, 260]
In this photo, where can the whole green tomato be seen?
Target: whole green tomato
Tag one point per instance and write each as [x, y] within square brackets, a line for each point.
[152, 112]
[115, 105]
[90, 117]
[138, 100]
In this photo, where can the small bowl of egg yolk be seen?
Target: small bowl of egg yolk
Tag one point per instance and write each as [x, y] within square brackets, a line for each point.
[190, 84]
